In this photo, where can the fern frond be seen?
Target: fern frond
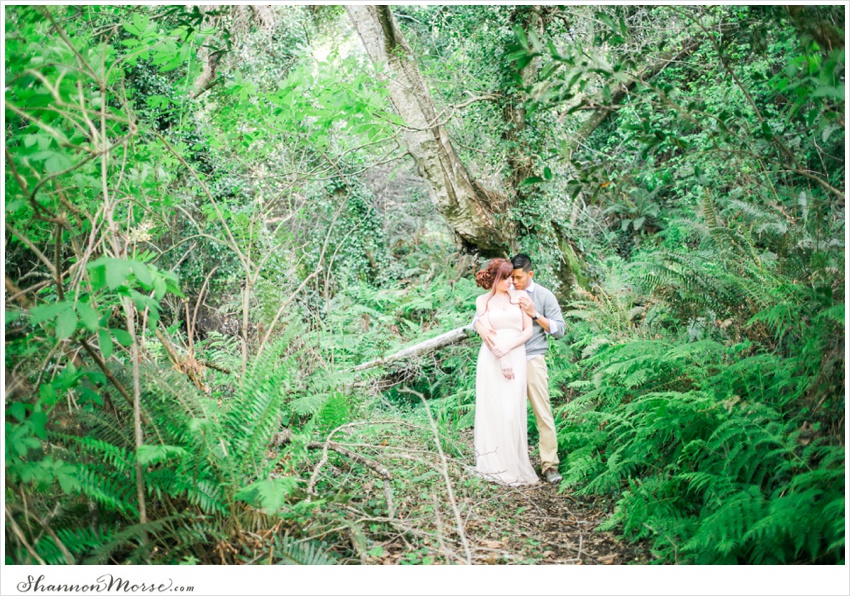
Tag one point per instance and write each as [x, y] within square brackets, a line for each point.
[127, 538]
[106, 491]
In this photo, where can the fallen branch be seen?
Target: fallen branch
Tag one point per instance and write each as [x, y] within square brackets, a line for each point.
[214, 366]
[285, 436]
[446, 479]
[429, 345]
[380, 470]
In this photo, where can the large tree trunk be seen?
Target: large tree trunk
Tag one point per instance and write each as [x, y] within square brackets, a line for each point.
[464, 204]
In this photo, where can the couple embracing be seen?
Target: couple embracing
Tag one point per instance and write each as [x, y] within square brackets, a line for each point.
[513, 320]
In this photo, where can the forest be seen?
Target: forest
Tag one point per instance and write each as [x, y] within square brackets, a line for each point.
[230, 232]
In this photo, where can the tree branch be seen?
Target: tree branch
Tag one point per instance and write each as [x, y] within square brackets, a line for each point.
[820, 181]
[604, 109]
[281, 309]
[32, 247]
[112, 378]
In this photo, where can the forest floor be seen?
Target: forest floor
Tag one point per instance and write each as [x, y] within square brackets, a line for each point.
[540, 525]
[533, 525]
[551, 528]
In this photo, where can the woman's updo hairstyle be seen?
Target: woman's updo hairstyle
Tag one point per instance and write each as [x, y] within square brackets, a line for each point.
[495, 271]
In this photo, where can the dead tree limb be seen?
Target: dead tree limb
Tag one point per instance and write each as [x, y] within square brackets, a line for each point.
[429, 345]
[285, 436]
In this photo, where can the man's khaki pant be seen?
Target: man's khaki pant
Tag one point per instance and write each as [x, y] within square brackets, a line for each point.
[538, 395]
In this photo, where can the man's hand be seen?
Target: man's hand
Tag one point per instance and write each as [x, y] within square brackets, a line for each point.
[488, 335]
[527, 306]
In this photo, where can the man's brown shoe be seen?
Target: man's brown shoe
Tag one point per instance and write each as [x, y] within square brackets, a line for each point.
[552, 475]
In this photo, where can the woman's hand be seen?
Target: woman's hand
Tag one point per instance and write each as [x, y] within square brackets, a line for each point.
[507, 369]
[499, 350]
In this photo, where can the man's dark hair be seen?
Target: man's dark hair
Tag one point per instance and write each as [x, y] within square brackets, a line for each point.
[522, 261]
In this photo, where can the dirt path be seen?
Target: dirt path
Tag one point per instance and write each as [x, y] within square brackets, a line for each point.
[540, 526]
[552, 528]
[501, 525]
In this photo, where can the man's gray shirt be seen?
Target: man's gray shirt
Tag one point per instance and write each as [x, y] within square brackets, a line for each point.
[546, 306]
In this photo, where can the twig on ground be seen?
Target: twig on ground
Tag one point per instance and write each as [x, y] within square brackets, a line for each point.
[445, 472]
[439, 523]
[388, 495]
[311, 487]
[17, 531]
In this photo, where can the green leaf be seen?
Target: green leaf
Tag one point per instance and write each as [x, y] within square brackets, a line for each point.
[151, 454]
[38, 421]
[18, 410]
[159, 287]
[116, 273]
[269, 495]
[104, 340]
[122, 337]
[130, 28]
[172, 283]
[89, 316]
[97, 274]
[153, 319]
[66, 324]
[67, 480]
[535, 41]
[828, 130]
[88, 395]
[143, 301]
[531, 180]
[57, 163]
[47, 395]
[521, 38]
[40, 314]
[142, 273]
[13, 205]
[605, 18]
[547, 173]
[829, 91]
[158, 102]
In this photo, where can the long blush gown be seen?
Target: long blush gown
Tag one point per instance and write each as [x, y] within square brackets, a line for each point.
[501, 431]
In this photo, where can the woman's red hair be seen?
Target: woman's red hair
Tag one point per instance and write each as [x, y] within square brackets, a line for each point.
[495, 271]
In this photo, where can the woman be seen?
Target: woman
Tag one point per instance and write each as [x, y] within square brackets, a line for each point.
[501, 434]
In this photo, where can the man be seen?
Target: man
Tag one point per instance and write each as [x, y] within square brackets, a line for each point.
[547, 319]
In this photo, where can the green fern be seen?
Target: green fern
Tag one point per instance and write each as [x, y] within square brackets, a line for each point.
[293, 552]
